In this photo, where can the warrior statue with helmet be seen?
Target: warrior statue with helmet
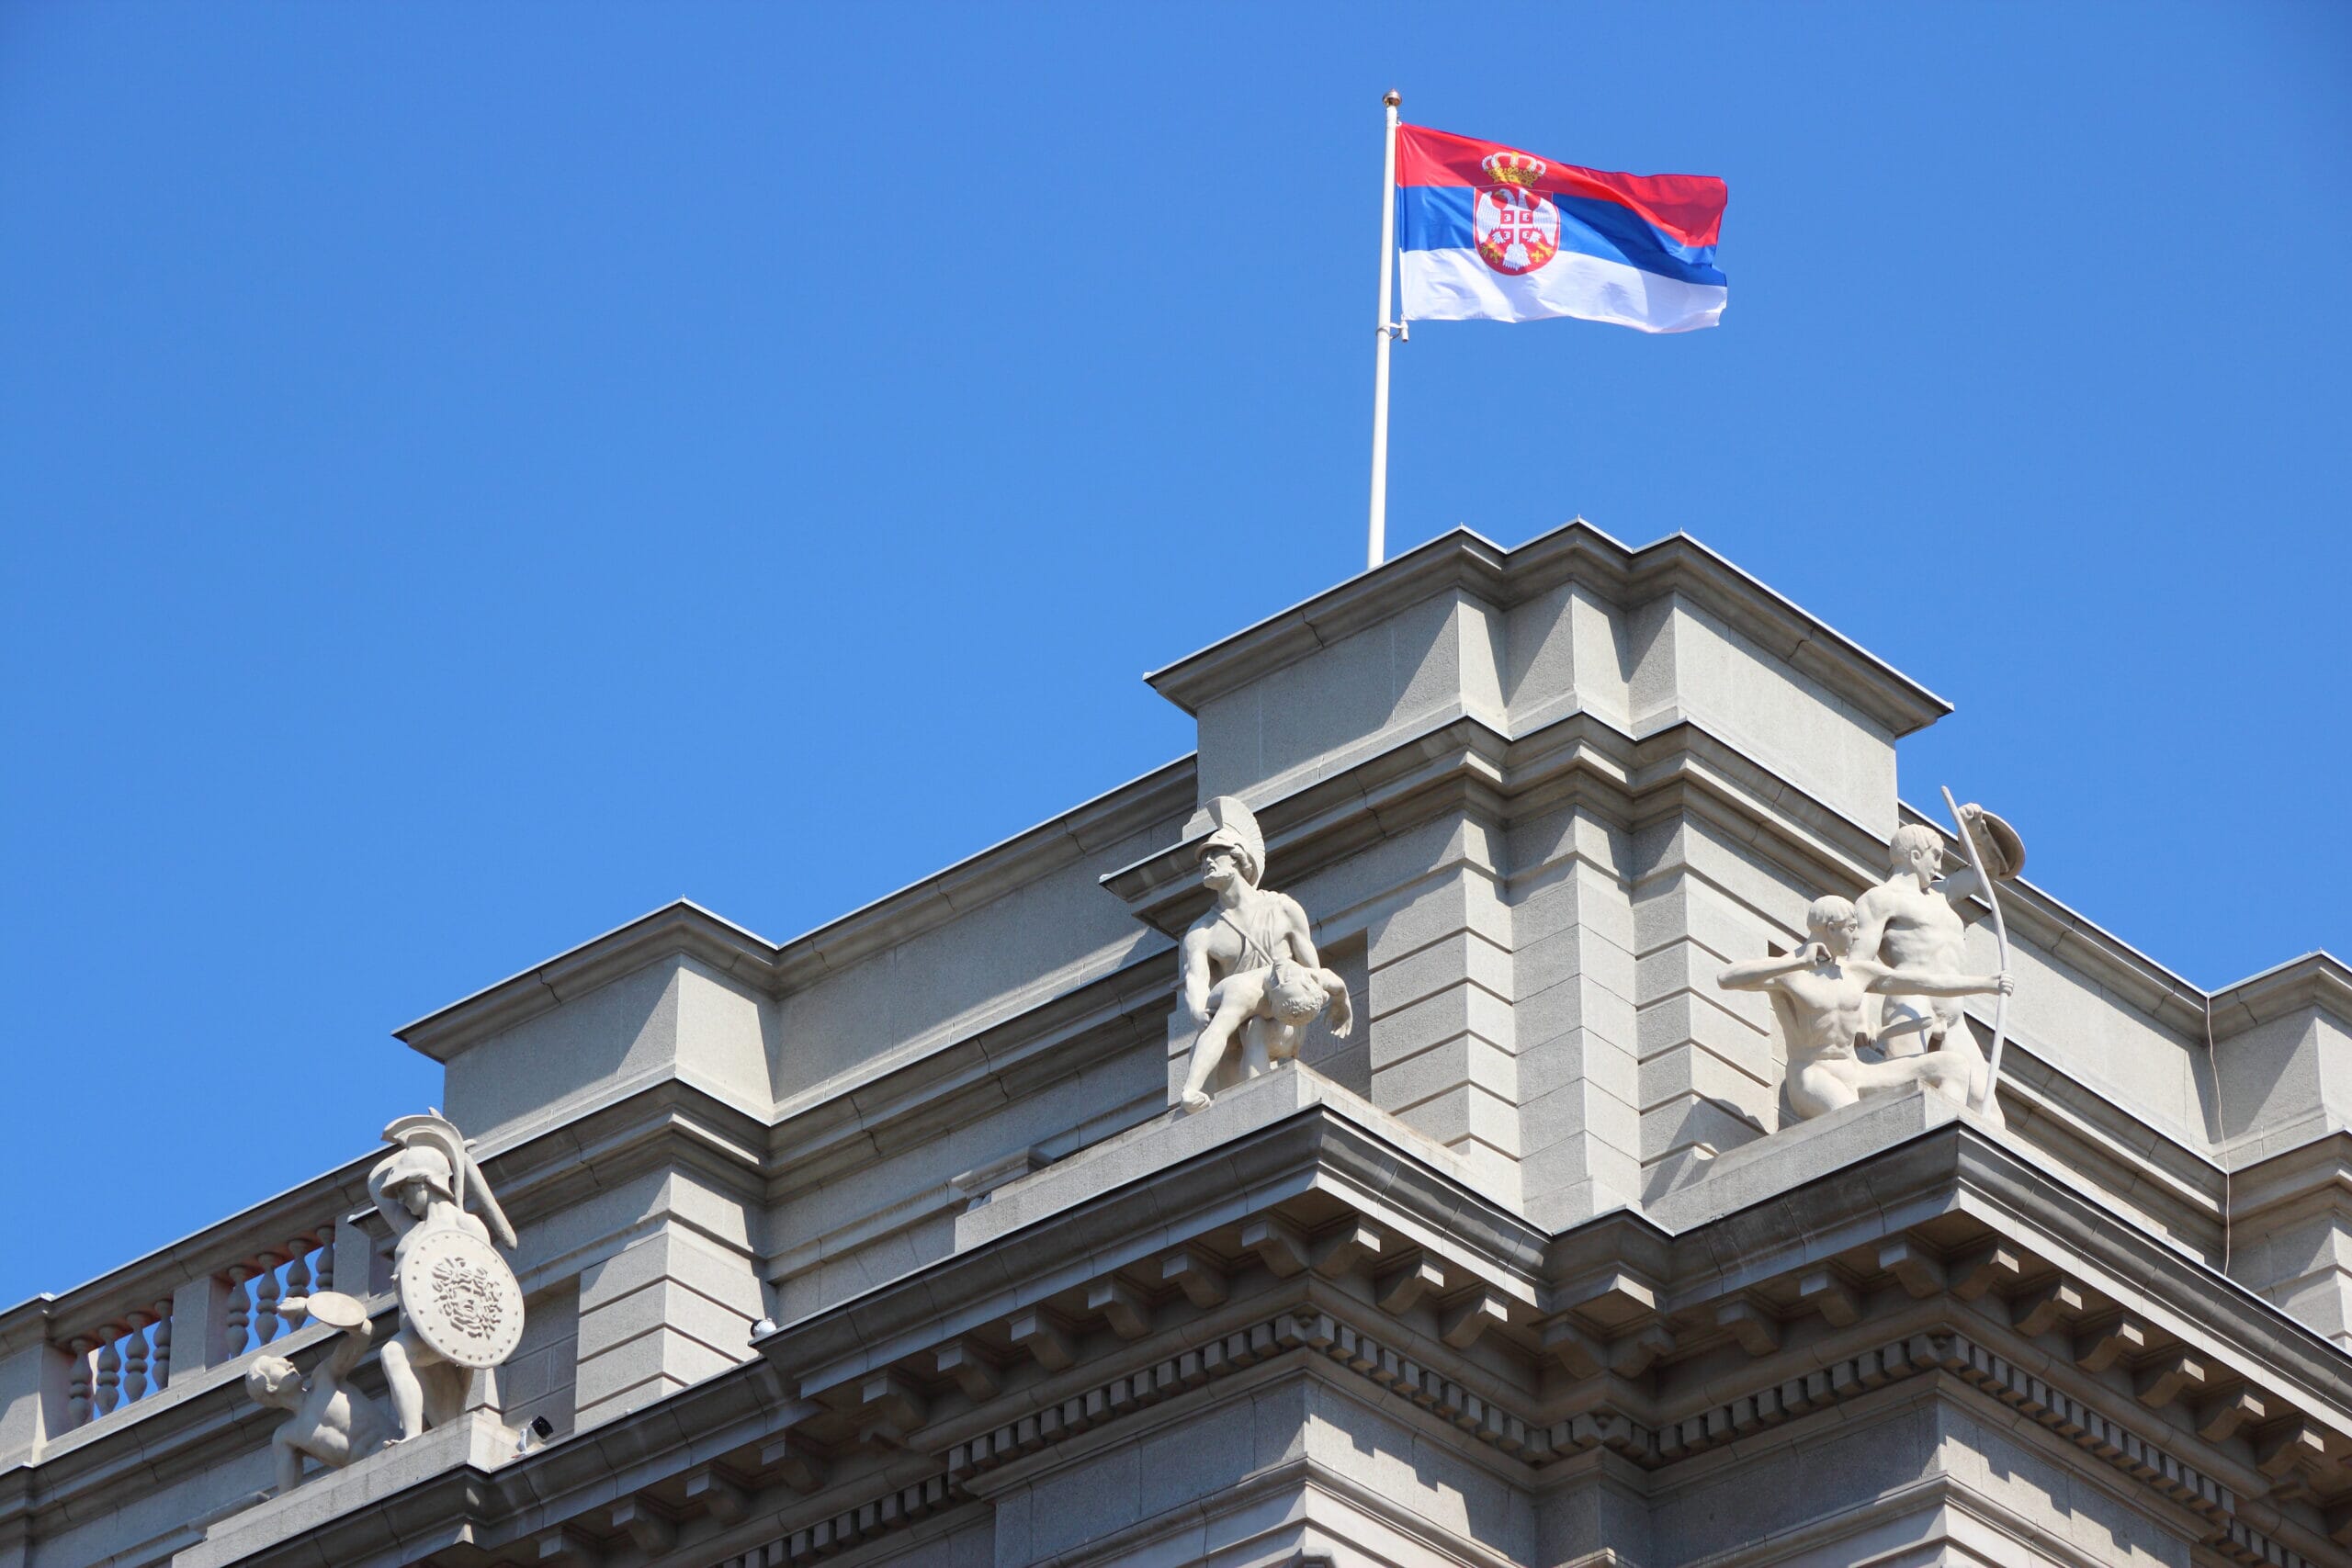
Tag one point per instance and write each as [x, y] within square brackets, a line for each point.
[461, 1310]
[1249, 965]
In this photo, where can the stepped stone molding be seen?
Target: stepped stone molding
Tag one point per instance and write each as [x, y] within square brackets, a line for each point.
[1580, 553]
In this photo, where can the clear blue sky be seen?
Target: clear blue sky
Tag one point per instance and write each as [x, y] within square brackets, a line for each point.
[473, 474]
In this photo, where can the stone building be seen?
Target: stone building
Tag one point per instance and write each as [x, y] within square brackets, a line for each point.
[886, 1245]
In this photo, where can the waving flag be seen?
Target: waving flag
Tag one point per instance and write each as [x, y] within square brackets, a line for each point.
[1494, 234]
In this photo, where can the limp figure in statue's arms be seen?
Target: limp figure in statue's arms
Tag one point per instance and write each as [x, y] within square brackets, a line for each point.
[1821, 992]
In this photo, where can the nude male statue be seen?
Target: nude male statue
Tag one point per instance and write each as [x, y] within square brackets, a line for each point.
[1821, 992]
[1229, 955]
[1913, 921]
[332, 1421]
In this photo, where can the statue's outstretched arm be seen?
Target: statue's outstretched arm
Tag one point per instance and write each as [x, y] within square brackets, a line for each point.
[1757, 973]
[1961, 887]
[1895, 982]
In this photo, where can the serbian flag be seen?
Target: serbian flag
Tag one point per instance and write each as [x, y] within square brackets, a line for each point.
[1493, 234]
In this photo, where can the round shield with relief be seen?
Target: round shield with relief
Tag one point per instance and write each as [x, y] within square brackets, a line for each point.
[460, 1297]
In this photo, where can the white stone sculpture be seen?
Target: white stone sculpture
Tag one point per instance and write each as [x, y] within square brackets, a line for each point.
[332, 1421]
[1913, 921]
[1249, 965]
[1822, 993]
[461, 1310]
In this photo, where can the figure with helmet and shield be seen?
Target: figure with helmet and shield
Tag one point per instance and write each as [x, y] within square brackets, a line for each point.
[461, 1310]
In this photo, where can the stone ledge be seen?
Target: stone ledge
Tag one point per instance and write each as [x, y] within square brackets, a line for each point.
[1174, 1137]
[478, 1439]
[1705, 1190]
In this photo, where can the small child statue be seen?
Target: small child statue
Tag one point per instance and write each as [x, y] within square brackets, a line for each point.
[332, 1421]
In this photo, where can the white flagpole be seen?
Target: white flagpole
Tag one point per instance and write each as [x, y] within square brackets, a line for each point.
[1376, 548]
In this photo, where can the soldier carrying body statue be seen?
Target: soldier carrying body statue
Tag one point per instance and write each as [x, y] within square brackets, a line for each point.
[1249, 965]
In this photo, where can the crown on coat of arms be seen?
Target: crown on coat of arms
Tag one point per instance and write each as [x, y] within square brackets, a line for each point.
[1513, 168]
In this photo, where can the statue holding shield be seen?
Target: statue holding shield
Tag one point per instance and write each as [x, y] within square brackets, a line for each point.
[461, 1310]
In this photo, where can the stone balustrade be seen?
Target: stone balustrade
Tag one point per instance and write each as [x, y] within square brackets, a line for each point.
[100, 1353]
[129, 1356]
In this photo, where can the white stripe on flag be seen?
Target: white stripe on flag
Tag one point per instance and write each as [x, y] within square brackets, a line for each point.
[1457, 285]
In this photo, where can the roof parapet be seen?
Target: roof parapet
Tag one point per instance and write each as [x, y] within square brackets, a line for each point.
[1576, 551]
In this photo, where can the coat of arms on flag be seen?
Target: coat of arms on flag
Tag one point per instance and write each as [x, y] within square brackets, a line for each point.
[1517, 227]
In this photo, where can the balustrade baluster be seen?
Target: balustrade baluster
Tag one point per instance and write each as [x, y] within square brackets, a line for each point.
[134, 1359]
[298, 1267]
[266, 1292]
[233, 1343]
[326, 1259]
[163, 1364]
[77, 1386]
[110, 1369]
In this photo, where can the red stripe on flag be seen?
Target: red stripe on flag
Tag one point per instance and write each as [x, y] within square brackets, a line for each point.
[1688, 207]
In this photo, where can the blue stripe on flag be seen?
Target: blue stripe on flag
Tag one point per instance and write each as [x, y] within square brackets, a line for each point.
[1437, 218]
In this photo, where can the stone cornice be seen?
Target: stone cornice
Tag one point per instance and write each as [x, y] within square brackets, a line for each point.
[1942, 1264]
[1622, 1283]
[2316, 1173]
[2177, 1292]
[1463, 561]
[1463, 763]
[1313, 1149]
[2318, 979]
[682, 928]
[666, 1124]
[687, 929]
